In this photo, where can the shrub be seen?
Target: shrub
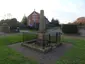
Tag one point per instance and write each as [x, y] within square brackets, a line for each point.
[69, 29]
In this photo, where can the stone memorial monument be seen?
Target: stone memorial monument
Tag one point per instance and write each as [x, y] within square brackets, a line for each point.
[43, 42]
[42, 28]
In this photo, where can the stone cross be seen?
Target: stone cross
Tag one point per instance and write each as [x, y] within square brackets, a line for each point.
[42, 28]
[42, 25]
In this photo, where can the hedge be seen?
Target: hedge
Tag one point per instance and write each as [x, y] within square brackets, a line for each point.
[69, 29]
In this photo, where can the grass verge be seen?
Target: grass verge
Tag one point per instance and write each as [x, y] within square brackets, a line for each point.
[9, 56]
[77, 54]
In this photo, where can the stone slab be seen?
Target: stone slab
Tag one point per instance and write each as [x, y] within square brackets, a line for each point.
[48, 58]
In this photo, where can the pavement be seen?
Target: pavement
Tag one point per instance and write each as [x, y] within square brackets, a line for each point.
[48, 58]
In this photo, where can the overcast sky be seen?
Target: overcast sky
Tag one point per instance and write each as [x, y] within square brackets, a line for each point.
[64, 10]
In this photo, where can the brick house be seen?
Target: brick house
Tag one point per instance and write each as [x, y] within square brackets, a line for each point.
[33, 19]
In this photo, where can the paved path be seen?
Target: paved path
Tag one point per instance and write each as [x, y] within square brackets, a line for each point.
[48, 58]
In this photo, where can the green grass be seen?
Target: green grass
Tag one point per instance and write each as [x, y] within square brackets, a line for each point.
[76, 55]
[14, 38]
[5, 40]
[29, 36]
[9, 56]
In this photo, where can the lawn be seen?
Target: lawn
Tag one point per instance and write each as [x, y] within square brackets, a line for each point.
[76, 55]
[15, 38]
[9, 56]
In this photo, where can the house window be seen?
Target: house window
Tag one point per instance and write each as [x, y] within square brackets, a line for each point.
[29, 21]
[34, 18]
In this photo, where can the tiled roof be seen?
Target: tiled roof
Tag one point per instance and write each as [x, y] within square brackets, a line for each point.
[80, 20]
[34, 12]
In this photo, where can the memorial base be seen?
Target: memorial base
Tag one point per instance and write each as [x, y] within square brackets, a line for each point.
[32, 45]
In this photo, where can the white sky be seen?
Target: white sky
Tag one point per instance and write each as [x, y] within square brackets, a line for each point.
[64, 10]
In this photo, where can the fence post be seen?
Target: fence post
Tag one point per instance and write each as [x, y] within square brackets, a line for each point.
[56, 37]
[23, 36]
[59, 37]
[49, 39]
[43, 41]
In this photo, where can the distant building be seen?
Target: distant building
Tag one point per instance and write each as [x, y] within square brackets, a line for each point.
[34, 18]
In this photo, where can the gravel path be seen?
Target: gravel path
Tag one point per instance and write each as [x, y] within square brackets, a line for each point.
[48, 58]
